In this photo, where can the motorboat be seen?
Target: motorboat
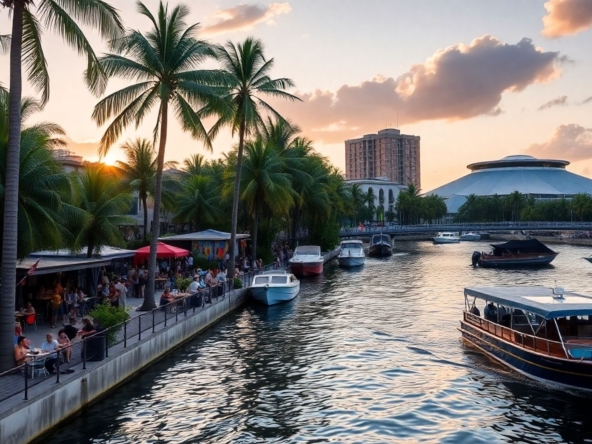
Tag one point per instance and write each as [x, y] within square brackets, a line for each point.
[589, 259]
[380, 245]
[543, 333]
[515, 253]
[447, 238]
[307, 260]
[351, 254]
[274, 287]
[470, 236]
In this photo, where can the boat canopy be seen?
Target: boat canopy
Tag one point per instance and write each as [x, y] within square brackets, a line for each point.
[523, 246]
[308, 249]
[378, 238]
[539, 300]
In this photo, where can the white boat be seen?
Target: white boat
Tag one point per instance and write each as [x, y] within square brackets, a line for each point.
[351, 254]
[307, 260]
[470, 236]
[274, 287]
[447, 238]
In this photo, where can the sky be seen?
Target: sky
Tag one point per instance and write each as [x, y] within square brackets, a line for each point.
[476, 80]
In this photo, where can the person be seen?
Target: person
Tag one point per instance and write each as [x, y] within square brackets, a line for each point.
[70, 329]
[194, 286]
[122, 292]
[190, 263]
[166, 297]
[64, 343]
[20, 351]
[18, 332]
[113, 295]
[70, 300]
[49, 346]
[87, 328]
[142, 282]
[80, 301]
[29, 309]
[475, 310]
[55, 303]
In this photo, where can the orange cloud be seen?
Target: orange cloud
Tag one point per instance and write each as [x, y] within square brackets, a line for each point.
[565, 17]
[459, 82]
[571, 142]
[245, 17]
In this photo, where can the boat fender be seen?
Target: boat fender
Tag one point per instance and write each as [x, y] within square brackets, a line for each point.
[475, 258]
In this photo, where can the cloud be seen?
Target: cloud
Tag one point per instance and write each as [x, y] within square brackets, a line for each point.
[245, 16]
[572, 142]
[459, 82]
[588, 100]
[557, 101]
[566, 17]
[86, 149]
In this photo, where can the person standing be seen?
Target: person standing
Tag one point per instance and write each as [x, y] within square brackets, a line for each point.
[190, 263]
[122, 292]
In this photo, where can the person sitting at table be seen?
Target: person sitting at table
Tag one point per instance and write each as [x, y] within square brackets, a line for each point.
[71, 330]
[194, 286]
[56, 304]
[20, 351]
[18, 331]
[29, 309]
[87, 328]
[64, 343]
[49, 346]
[166, 297]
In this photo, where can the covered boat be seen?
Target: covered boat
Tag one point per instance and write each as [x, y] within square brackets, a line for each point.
[543, 333]
[351, 254]
[470, 236]
[515, 253]
[274, 287]
[307, 260]
[380, 245]
[447, 238]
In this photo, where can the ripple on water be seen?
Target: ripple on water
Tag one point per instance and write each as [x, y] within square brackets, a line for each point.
[361, 356]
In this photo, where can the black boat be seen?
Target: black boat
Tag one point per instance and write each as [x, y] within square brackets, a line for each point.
[515, 253]
[380, 246]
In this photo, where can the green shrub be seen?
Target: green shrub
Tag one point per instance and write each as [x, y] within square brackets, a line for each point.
[109, 316]
[238, 283]
[183, 283]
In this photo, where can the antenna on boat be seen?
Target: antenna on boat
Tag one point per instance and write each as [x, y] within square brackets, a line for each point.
[558, 291]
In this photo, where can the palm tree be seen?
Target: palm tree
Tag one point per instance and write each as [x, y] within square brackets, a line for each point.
[357, 200]
[164, 63]
[515, 201]
[194, 164]
[198, 201]
[106, 202]
[247, 76]
[25, 46]
[140, 171]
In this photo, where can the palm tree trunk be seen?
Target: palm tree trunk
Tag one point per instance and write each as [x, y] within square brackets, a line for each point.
[145, 208]
[255, 229]
[9, 238]
[235, 199]
[149, 302]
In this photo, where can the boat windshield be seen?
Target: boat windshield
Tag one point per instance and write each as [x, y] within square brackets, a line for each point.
[279, 279]
[307, 250]
[381, 238]
[261, 280]
[352, 245]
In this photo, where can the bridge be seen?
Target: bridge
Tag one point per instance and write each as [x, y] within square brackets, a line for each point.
[458, 227]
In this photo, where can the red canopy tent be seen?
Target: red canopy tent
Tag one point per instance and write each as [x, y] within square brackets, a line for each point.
[162, 251]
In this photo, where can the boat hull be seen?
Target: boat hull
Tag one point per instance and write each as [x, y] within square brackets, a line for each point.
[539, 261]
[351, 261]
[306, 268]
[569, 373]
[444, 240]
[269, 295]
[470, 237]
[380, 250]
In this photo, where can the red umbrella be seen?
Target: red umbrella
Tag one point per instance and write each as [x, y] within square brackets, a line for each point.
[162, 251]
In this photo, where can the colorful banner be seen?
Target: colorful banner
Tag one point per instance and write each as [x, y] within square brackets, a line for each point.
[210, 249]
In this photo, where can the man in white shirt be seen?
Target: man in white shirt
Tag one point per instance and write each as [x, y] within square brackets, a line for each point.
[194, 286]
[122, 292]
[190, 262]
[50, 345]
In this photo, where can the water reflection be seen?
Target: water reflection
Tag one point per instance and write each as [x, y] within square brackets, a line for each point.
[364, 355]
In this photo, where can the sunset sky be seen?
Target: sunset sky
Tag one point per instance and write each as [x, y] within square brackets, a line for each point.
[477, 80]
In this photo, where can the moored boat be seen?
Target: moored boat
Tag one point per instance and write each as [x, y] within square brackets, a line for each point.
[515, 253]
[274, 287]
[307, 260]
[351, 254]
[380, 245]
[447, 238]
[470, 236]
[543, 333]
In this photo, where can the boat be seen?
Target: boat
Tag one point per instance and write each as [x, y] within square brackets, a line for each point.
[307, 260]
[447, 238]
[515, 253]
[543, 333]
[380, 245]
[470, 236]
[351, 254]
[589, 259]
[274, 287]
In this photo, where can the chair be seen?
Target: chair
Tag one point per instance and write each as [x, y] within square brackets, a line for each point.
[37, 366]
[31, 320]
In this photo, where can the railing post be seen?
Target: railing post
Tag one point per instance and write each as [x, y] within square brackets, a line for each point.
[84, 354]
[124, 334]
[176, 312]
[166, 307]
[58, 367]
[26, 381]
[139, 328]
[153, 322]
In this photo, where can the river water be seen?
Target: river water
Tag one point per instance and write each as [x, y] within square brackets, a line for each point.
[364, 356]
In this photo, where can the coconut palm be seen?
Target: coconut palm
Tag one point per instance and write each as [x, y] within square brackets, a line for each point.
[194, 164]
[198, 201]
[163, 63]
[357, 200]
[247, 77]
[106, 201]
[28, 16]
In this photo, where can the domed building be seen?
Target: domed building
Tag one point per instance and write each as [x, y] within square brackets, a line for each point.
[540, 178]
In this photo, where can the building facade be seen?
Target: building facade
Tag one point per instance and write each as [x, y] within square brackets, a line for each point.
[388, 155]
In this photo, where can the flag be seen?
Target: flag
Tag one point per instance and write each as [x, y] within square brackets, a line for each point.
[33, 268]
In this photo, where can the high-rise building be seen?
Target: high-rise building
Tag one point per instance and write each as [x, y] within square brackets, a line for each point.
[388, 155]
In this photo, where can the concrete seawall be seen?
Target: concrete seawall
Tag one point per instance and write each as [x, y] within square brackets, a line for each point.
[48, 406]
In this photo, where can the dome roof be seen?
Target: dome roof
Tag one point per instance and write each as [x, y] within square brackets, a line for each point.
[542, 178]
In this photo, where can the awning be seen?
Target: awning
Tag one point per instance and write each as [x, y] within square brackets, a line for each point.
[163, 251]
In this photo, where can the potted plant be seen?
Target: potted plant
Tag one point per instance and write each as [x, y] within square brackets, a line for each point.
[111, 318]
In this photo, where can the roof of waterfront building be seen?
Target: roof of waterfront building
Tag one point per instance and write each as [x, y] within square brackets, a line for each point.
[206, 235]
[541, 178]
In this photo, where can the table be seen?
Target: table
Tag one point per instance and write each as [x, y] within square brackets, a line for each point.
[159, 283]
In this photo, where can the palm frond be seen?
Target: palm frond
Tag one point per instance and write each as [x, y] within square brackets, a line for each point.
[33, 56]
